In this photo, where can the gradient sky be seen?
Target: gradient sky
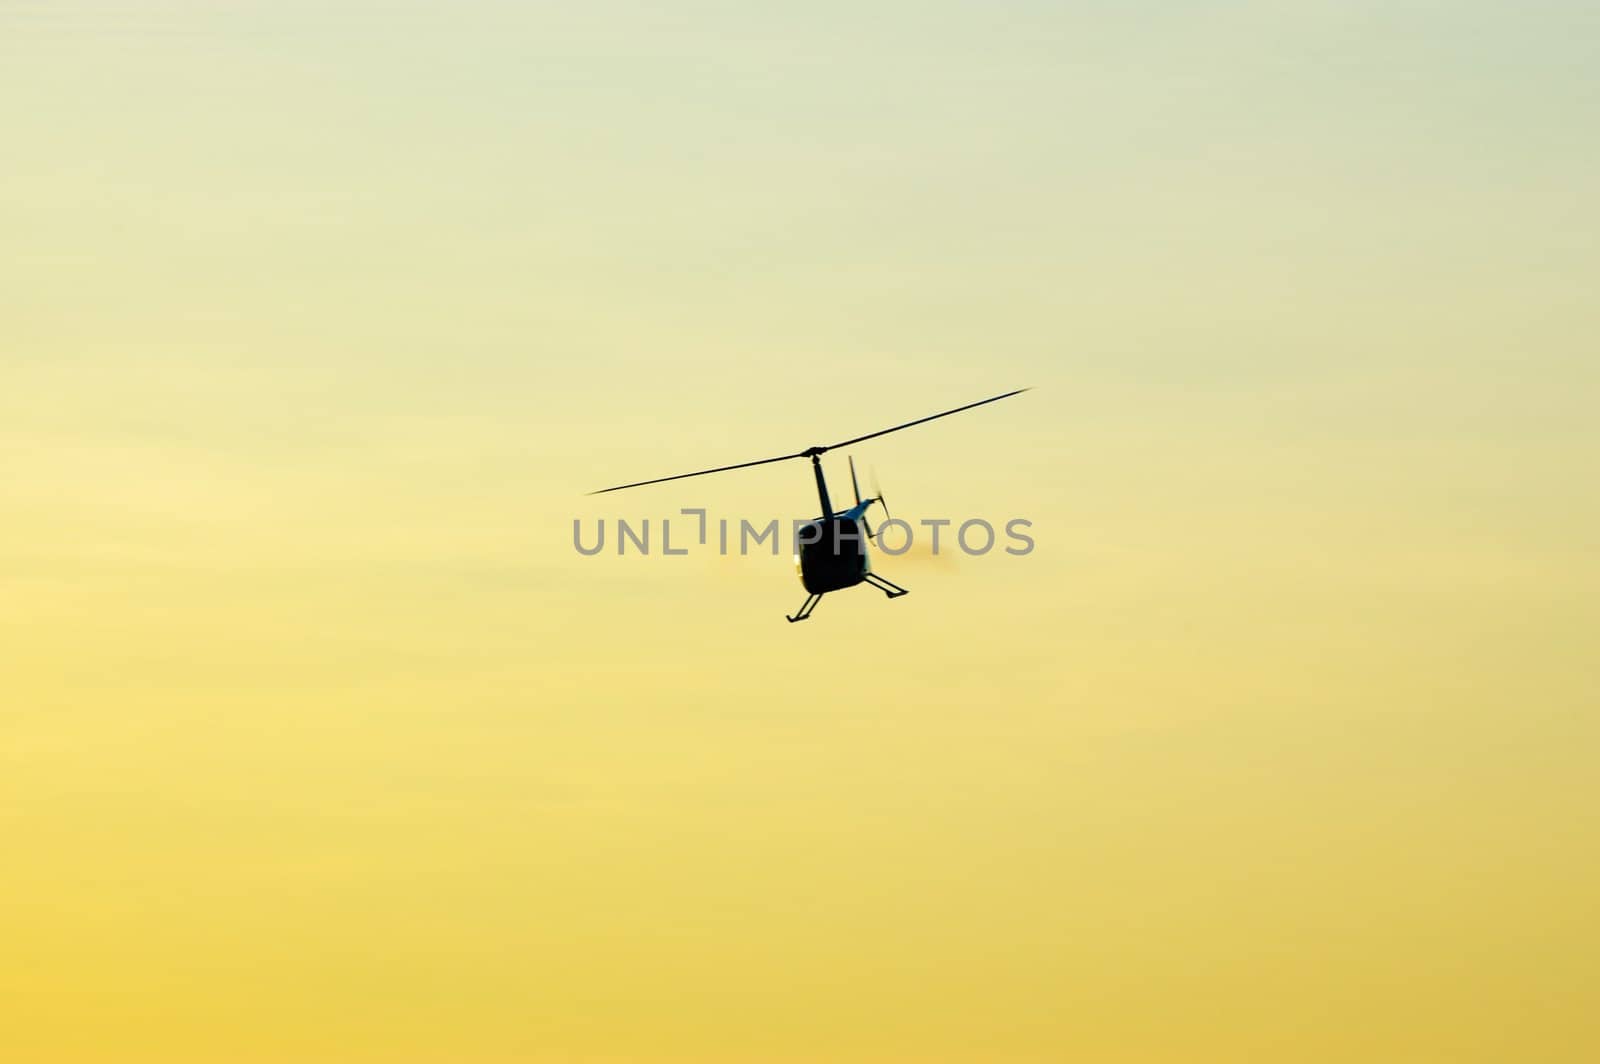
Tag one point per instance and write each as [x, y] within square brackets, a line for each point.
[319, 743]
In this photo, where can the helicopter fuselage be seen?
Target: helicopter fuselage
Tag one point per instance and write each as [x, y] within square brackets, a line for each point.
[832, 553]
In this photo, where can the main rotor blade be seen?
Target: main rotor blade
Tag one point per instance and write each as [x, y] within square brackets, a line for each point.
[701, 473]
[812, 452]
[853, 485]
[930, 417]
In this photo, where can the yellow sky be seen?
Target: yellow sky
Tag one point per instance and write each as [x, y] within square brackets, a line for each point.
[320, 743]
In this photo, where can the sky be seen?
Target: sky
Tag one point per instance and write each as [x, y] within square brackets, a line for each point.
[319, 742]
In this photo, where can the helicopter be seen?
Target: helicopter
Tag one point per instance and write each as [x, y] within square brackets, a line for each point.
[832, 554]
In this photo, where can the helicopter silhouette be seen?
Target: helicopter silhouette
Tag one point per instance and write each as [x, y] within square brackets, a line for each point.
[832, 553]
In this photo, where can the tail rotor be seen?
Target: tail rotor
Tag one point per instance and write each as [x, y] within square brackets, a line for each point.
[856, 487]
[877, 497]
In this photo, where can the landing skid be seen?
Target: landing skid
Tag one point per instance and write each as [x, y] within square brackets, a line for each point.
[805, 609]
[888, 587]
